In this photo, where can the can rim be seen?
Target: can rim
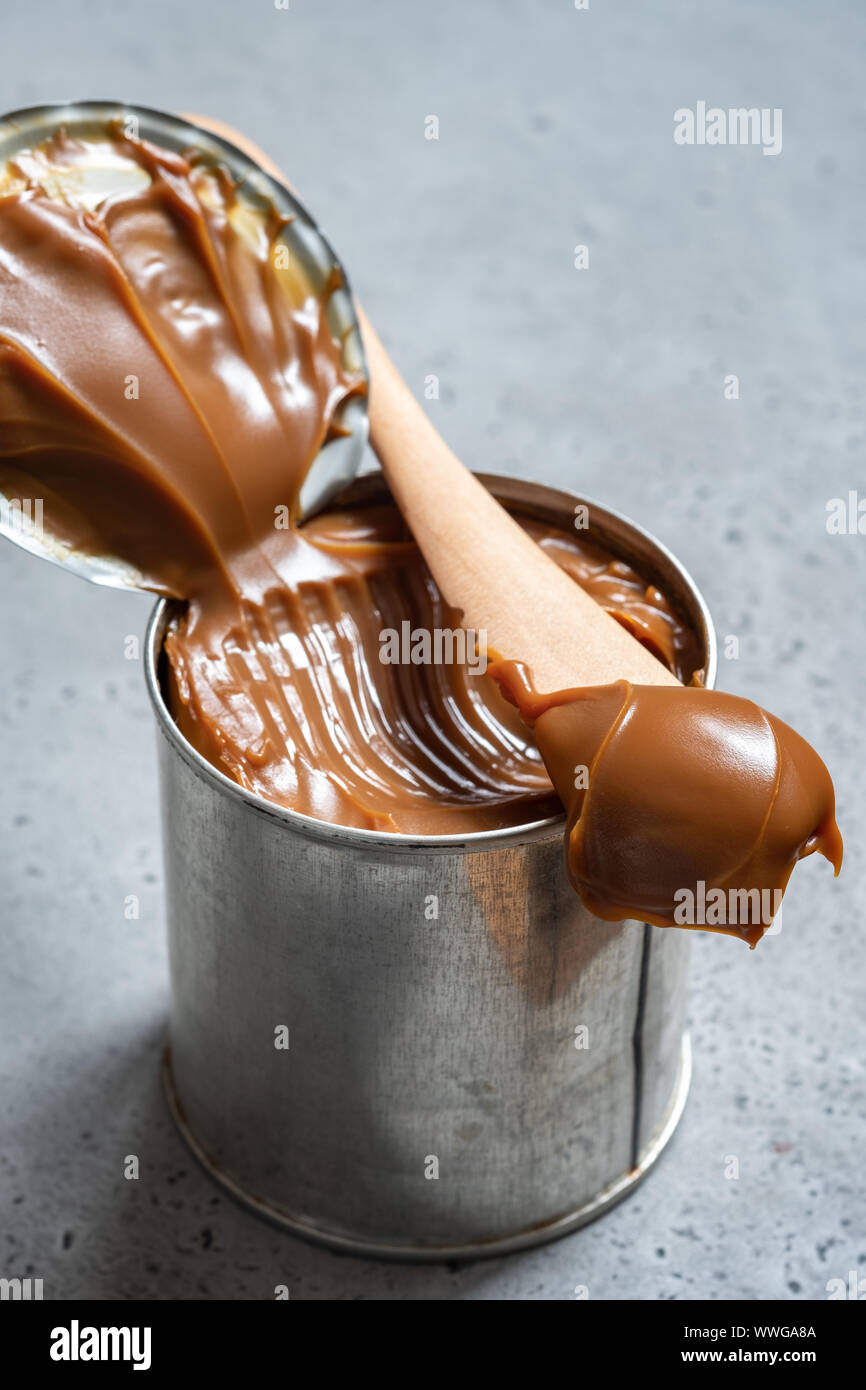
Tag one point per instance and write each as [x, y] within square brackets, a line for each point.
[520, 493]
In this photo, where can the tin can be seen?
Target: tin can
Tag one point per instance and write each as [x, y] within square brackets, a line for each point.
[395, 1085]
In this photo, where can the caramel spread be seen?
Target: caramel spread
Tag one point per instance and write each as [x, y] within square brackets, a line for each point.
[164, 376]
[685, 806]
[166, 382]
[296, 703]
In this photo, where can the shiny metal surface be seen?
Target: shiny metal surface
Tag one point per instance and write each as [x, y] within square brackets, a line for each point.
[431, 1102]
[338, 462]
[535, 1235]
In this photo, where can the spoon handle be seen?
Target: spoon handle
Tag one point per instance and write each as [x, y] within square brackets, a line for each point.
[483, 561]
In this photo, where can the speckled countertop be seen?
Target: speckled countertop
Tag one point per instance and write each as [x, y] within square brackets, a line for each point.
[555, 130]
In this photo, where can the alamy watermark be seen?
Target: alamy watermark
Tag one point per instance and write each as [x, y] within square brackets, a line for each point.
[438, 646]
[738, 125]
[77, 1343]
[853, 1288]
[22, 516]
[846, 516]
[20, 1290]
[716, 907]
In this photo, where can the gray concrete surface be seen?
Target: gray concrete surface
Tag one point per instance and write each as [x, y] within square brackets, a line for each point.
[555, 129]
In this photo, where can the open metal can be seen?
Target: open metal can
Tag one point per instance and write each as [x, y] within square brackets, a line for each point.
[443, 1089]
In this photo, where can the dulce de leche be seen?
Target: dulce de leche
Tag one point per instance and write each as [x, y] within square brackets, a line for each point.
[166, 383]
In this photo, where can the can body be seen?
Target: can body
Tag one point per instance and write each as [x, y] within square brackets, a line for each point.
[407, 1046]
